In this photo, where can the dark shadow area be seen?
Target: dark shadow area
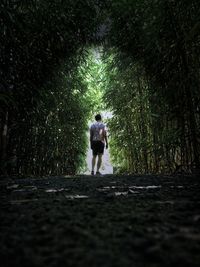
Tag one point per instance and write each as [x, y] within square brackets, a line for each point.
[112, 221]
[149, 75]
[61, 61]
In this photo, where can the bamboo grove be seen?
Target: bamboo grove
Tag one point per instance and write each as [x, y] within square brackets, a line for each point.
[154, 85]
[149, 76]
[43, 114]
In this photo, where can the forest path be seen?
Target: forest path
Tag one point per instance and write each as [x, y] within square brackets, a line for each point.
[106, 167]
[112, 220]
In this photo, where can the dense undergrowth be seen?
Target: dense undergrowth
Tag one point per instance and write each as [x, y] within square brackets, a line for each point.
[146, 65]
[153, 85]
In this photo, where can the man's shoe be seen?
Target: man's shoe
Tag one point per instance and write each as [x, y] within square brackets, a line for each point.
[92, 172]
[98, 173]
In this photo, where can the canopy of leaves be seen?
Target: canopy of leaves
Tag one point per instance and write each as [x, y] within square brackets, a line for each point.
[51, 82]
[43, 114]
[154, 84]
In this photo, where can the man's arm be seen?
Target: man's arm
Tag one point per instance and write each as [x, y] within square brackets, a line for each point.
[106, 138]
[91, 137]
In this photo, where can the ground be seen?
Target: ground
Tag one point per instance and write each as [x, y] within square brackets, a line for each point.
[113, 220]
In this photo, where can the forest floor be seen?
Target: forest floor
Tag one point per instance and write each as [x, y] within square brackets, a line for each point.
[114, 220]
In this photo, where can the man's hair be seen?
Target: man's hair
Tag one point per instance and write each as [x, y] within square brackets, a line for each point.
[98, 117]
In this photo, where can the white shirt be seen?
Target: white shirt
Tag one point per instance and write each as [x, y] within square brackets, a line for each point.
[98, 129]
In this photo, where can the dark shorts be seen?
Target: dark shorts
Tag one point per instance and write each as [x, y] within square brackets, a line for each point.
[97, 147]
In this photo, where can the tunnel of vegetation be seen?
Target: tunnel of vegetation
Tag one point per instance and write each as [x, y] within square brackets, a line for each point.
[150, 75]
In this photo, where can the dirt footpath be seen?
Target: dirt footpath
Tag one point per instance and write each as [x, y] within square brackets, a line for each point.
[145, 221]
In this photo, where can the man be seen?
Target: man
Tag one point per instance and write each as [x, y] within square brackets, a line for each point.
[98, 138]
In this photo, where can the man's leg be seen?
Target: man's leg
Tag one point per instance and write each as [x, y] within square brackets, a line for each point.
[99, 161]
[93, 162]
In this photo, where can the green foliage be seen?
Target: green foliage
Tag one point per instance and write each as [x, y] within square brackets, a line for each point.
[93, 71]
[154, 85]
[43, 113]
[52, 80]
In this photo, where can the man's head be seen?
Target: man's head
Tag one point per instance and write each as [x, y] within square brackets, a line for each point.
[98, 117]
